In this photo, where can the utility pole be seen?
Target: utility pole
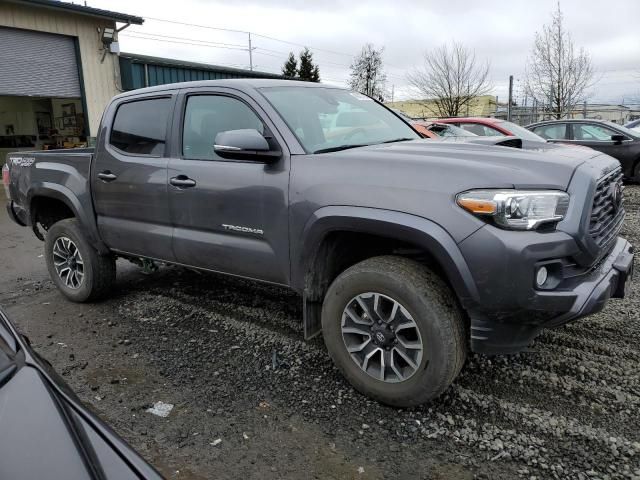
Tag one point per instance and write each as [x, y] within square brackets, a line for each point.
[250, 53]
[584, 109]
[393, 88]
[510, 98]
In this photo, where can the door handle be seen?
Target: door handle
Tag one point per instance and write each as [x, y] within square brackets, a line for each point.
[182, 181]
[107, 176]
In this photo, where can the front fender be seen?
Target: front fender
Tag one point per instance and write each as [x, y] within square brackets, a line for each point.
[83, 211]
[409, 228]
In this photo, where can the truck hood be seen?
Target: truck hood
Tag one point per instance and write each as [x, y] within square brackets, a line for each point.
[542, 165]
[423, 177]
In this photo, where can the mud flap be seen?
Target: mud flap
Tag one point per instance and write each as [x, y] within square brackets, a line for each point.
[312, 318]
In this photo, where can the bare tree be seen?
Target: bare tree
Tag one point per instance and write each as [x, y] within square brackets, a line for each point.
[451, 78]
[557, 75]
[367, 74]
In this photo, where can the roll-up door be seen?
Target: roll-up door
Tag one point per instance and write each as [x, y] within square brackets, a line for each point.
[37, 64]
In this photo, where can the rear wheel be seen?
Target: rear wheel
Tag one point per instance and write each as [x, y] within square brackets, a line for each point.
[75, 266]
[394, 330]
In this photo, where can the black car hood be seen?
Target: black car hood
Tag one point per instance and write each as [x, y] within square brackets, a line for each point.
[45, 432]
[540, 166]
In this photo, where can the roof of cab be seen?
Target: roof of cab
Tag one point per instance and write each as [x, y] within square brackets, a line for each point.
[238, 83]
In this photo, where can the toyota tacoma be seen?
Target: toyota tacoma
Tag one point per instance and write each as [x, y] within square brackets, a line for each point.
[407, 252]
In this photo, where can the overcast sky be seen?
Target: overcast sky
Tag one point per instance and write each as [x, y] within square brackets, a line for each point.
[501, 31]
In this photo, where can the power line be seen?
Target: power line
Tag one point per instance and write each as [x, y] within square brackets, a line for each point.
[182, 38]
[157, 39]
[246, 33]
[195, 25]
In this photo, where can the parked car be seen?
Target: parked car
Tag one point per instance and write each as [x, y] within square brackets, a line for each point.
[620, 142]
[634, 125]
[447, 130]
[406, 251]
[491, 127]
[417, 125]
[46, 431]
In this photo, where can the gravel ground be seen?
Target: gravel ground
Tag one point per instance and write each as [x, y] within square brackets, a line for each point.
[229, 355]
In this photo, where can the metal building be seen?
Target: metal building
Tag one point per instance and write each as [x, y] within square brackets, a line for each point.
[138, 71]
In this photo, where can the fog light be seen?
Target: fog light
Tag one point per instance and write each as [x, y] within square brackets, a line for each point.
[541, 276]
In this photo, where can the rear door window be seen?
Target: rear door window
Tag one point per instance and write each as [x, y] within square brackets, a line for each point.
[140, 127]
[556, 131]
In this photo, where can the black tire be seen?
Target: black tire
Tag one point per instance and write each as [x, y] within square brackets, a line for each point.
[636, 172]
[435, 311]
[99, 272]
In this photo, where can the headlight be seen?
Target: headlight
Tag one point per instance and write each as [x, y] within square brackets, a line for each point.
[516, 209]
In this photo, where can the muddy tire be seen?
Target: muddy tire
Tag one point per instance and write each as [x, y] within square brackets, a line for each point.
[75, 266]
[395, 331]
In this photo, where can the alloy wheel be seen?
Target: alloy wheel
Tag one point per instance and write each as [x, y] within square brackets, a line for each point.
[382, 337]
[68, 262]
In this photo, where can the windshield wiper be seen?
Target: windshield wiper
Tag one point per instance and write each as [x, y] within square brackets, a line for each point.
[341, 147]
[398, 140]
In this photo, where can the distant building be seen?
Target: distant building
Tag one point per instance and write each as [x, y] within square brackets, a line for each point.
[620, 114]
[138, 71]
[483, 106]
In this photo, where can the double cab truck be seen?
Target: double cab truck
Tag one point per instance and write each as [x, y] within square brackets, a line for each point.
[407, 252]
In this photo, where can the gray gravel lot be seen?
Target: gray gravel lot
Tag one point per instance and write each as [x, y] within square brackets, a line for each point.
[229, 355]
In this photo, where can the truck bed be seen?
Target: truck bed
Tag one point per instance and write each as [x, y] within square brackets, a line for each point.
[33, 173]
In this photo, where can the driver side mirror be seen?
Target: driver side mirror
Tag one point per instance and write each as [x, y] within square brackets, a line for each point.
[245, 144]
[618, 139]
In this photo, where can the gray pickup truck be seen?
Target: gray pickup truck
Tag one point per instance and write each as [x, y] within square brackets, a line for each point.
[407, 252]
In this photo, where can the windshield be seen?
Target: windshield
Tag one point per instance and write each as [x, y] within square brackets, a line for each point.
[447, 130]
[402, 115]
[521, 132]
[622, 129]
[329, 119]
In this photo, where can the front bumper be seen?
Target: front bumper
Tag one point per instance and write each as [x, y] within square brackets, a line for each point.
[509, 320]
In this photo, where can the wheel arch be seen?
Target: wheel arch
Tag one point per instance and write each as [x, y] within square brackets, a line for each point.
[47, 196]
[369, 232]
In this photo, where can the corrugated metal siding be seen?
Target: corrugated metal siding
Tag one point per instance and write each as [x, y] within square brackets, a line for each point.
[132, 72]
[38, 64]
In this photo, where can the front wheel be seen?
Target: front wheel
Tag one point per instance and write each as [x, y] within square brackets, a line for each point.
[394, 330]
[75, 266]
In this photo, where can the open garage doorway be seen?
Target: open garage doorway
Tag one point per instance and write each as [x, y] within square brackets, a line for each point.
[41, 103]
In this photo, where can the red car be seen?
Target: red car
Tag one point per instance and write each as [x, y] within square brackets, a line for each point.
[491, 127]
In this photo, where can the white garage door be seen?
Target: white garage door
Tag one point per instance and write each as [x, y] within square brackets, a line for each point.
[38, 64]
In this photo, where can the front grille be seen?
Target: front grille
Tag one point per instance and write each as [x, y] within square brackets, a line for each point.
[606, 215]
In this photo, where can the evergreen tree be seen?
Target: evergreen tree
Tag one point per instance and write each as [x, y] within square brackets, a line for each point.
[316, 74]
[290, 68]
[308, 71]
